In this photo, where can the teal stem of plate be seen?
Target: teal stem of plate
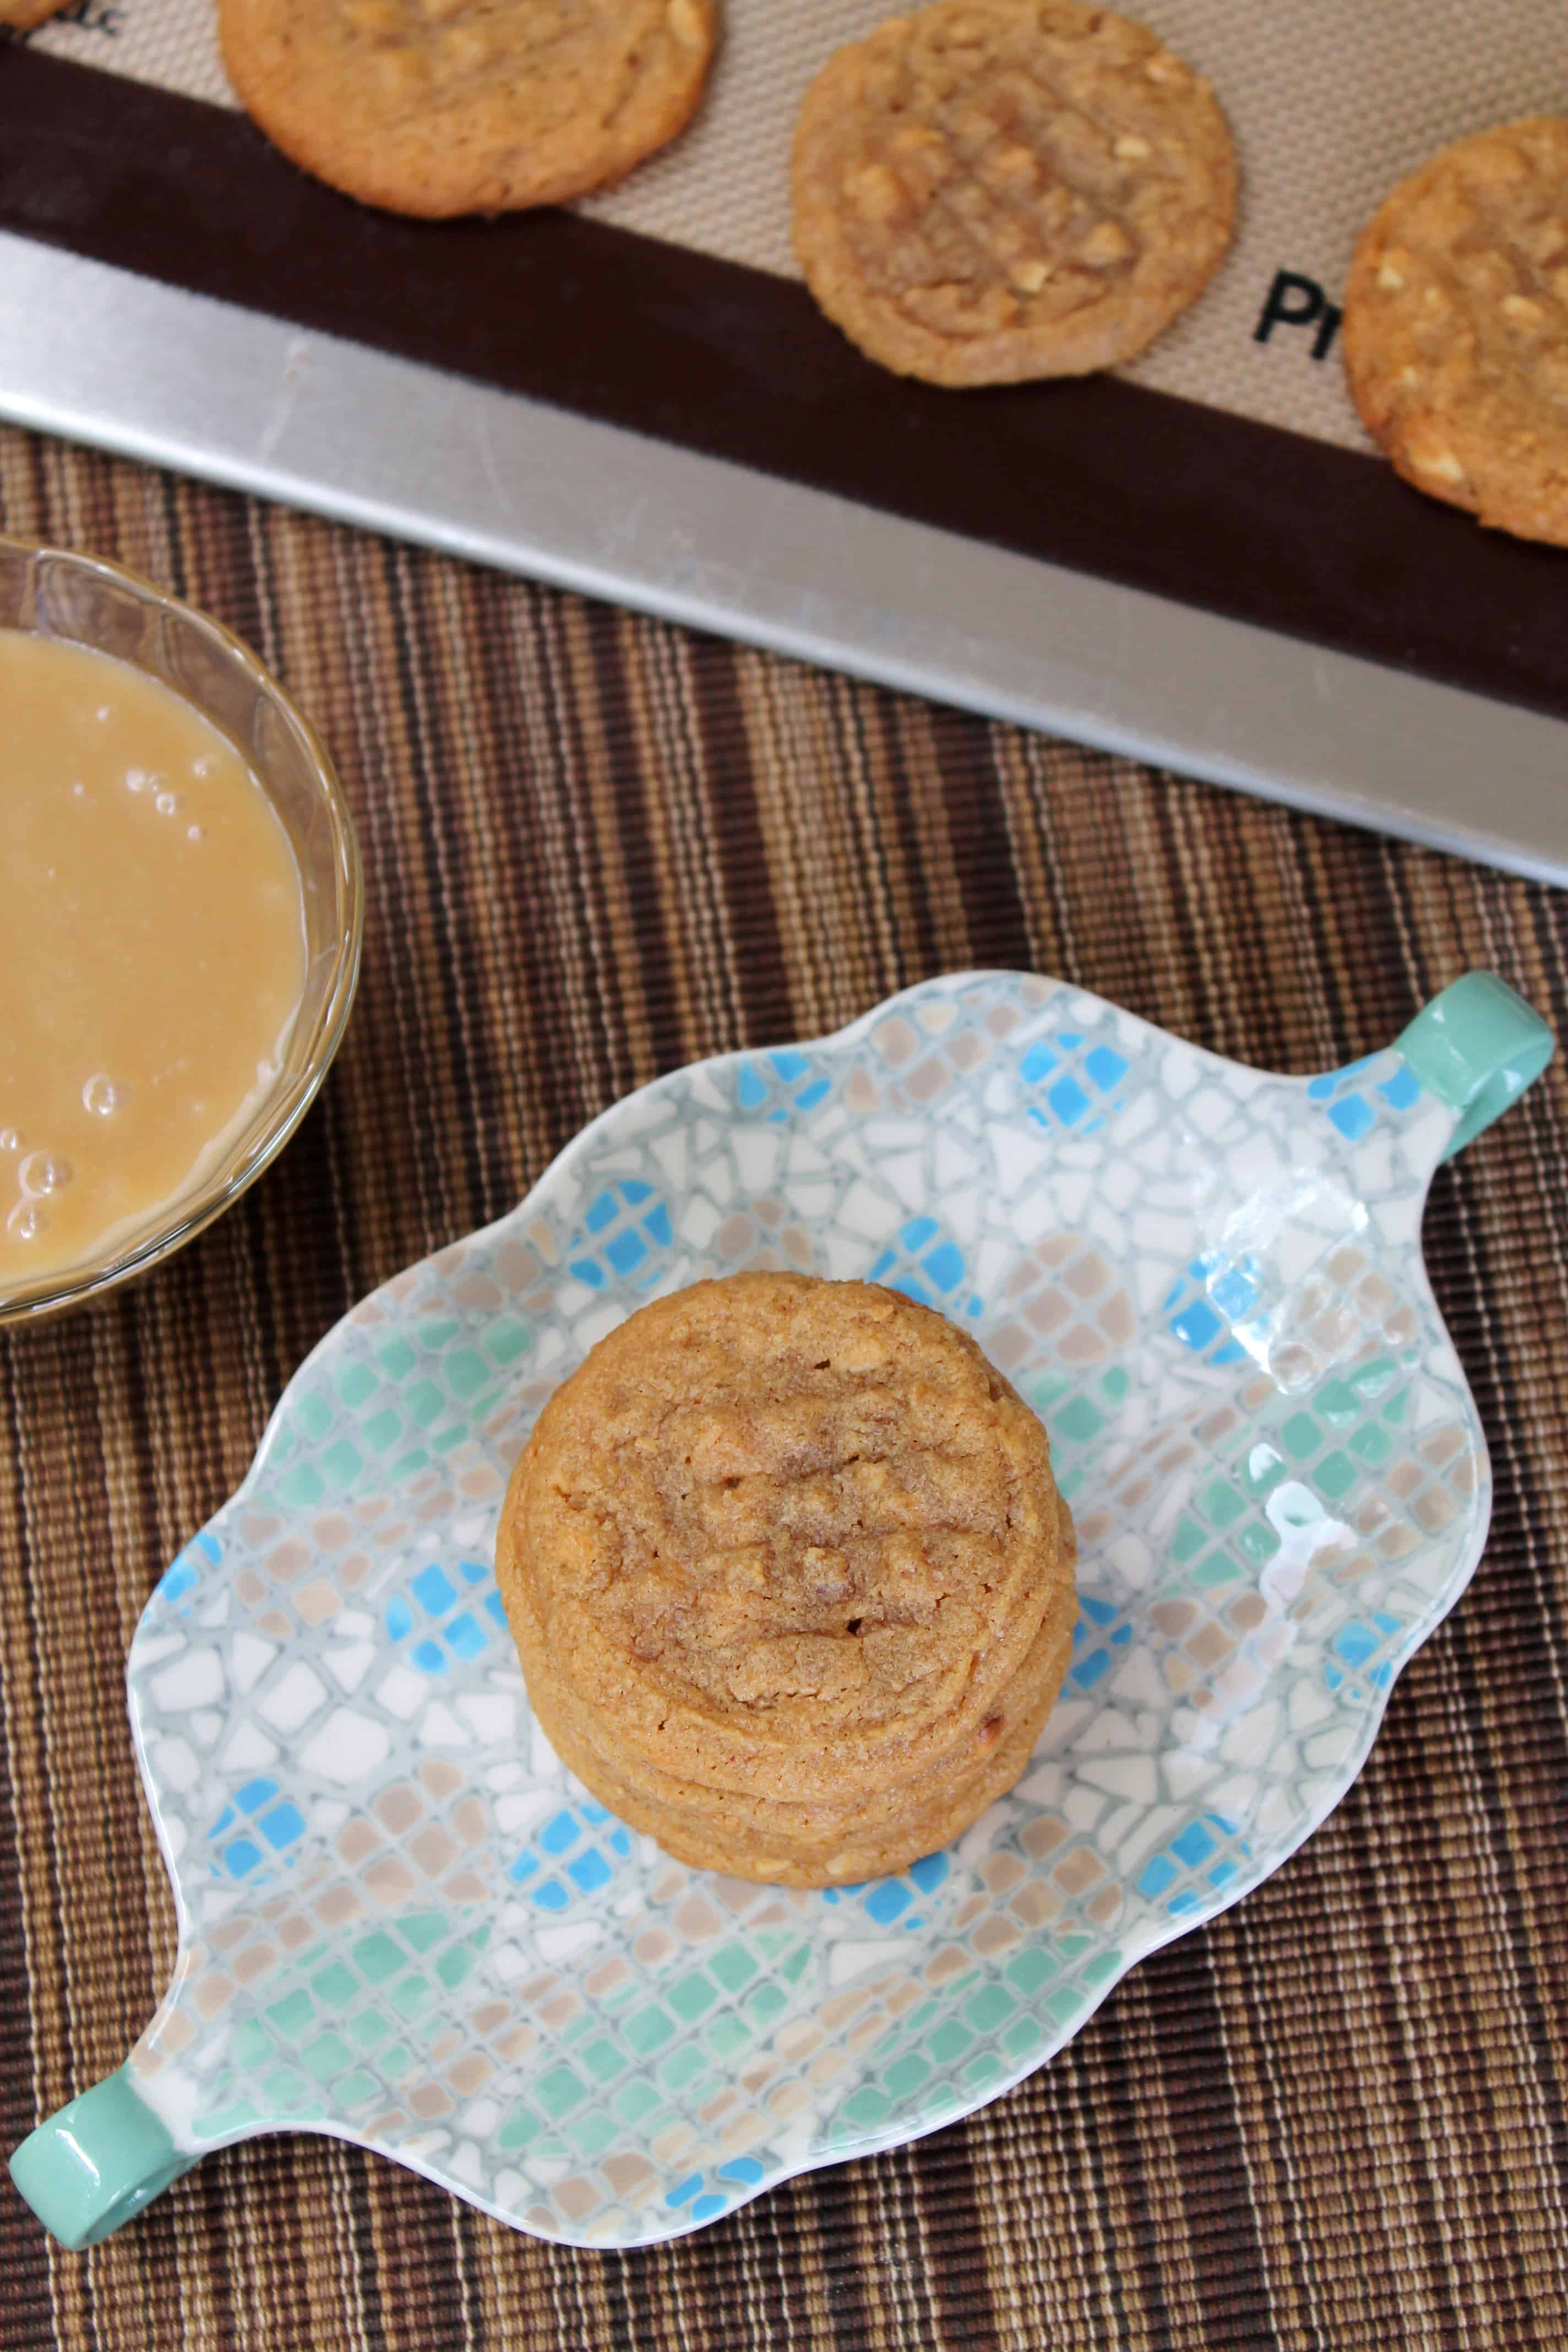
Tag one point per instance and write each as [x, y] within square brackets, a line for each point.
[1477, 1047]
[96, 2162]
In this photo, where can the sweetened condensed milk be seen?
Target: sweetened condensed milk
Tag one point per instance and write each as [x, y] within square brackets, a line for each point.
[151, 951]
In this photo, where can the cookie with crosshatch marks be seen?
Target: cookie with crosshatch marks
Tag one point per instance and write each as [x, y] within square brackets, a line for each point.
[440, 107]
[991, 190]
[1456, 326]
[790, 1577]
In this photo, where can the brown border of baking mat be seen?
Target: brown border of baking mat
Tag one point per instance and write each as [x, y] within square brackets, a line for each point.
[1102, 476]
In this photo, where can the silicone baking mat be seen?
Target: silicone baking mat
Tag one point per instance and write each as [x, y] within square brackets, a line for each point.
[1330, 105]
[1225, 468]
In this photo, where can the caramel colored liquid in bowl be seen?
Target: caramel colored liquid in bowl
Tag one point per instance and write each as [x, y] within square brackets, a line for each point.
[151, 951]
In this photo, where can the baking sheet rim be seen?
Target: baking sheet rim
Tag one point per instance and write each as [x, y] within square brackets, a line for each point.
[92, 353]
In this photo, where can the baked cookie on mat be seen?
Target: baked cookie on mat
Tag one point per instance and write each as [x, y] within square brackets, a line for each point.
[992, 190]
[25, 15]
[1456, 326]
[789, 1576]
[439, 107]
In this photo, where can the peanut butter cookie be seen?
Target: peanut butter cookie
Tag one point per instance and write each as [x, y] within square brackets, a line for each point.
[25, 15]
[991, 190]
[439, 106]
[1456, 326]
[790, 1577]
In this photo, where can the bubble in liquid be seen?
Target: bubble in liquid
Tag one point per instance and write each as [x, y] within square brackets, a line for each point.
[135, 780]
[78, 792]
[10, 1139]
[105, 711]
[27, 1220]
[167, 804]
[41, 1173]
[205, 766]
[195, 833]
[101, 1097]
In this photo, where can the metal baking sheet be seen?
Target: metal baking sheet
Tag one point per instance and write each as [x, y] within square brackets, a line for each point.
[98, 354]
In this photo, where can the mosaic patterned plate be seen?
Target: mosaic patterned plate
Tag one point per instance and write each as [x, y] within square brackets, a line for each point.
[403, 1921]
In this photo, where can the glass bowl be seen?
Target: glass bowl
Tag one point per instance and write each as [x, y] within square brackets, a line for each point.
[53, 592]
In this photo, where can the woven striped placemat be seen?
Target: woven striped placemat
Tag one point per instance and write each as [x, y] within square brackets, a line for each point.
[596, 847]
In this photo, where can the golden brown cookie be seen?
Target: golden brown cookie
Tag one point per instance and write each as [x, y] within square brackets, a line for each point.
[24, 15]
[439, 106]
[817, 1842]
[1456, 326]
[789, 1576]
[991, 190]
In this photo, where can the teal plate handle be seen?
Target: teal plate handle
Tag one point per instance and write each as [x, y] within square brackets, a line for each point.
[1477, 1046]
[96, 2162]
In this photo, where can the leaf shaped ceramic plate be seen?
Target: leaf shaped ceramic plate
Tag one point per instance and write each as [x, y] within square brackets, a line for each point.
[401, 1919]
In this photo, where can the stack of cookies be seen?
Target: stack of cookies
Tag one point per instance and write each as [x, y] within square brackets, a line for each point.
[790, 1577]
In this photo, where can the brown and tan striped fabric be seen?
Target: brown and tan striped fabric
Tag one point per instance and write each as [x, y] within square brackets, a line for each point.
[596, 847]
